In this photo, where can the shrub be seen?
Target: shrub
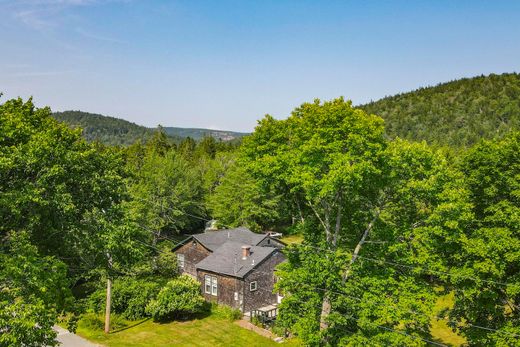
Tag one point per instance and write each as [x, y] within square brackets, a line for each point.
[226, 312]
[178, 299]
[129, 297]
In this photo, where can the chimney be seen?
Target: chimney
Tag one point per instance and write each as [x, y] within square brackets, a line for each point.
[246, 252]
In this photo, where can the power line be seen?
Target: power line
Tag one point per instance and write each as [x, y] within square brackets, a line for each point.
[378, 261]
[369, 301]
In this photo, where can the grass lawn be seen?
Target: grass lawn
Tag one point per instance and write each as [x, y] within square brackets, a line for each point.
[208, 331]
[440, 330]
[290, 239]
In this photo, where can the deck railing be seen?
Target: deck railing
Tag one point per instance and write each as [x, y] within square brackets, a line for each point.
[265, 316]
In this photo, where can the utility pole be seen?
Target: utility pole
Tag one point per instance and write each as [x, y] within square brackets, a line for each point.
[109, 295]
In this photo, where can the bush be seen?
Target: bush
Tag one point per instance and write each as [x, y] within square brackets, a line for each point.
[226, 312]
[178, 299]
[129, 297]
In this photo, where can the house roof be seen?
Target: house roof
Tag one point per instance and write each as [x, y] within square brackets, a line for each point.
[214, 239]
[227, 259]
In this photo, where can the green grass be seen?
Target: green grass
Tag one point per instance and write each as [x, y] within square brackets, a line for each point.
[440, 330]
[209, 331]
[290, 239]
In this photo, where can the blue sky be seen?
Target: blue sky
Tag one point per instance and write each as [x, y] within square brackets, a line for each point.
[224, 64]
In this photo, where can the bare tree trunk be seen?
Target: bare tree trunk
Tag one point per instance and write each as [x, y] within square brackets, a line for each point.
[300, 212]
[325, 312]
[358, 247]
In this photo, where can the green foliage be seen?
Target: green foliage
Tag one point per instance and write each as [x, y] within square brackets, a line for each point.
[457, 113]
[354, 189]
[64, 192]
[475, 236]
[107, 130]
[119, 132]
[178, 298]
[238, 200]
[129, 296]
[223, 311]
[166, 193]
[33, 291]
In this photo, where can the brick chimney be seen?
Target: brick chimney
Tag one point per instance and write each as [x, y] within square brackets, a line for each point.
[246, 251]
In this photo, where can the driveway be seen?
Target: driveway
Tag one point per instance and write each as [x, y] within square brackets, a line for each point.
[68, 339]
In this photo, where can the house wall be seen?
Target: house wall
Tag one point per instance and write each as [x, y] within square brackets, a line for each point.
[263, 274]
[226, 288]
[193, 253]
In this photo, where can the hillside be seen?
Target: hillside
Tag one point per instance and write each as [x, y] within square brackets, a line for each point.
[198, 133]
[457, 113]
[116, 131]
[108, 130]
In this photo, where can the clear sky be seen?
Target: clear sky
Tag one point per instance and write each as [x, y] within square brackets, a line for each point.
[224, 64]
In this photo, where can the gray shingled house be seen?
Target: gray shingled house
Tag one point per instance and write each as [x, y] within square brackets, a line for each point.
[234, 266]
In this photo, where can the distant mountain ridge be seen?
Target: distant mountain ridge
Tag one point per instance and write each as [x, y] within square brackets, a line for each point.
[120, 132]
[457, 114]
[199, 133]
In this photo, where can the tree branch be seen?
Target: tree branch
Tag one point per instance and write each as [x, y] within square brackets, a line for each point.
[359, 245]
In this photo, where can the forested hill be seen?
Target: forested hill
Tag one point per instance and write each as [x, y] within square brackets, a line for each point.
[116, 131]
[457, 113]
[108, 130]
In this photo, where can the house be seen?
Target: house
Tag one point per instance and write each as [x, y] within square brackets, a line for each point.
[235, 267]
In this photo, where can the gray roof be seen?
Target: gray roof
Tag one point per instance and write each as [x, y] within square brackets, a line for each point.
[214, 239]
[227, 259]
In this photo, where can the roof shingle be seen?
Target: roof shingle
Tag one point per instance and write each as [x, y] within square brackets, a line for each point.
[227, 259]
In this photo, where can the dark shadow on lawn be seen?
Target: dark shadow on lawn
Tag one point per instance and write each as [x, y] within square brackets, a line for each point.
[185, 317]
[130, 326]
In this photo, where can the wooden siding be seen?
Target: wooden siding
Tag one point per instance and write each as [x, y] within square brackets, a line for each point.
[226, 288]
[263, 274]
[193, 253]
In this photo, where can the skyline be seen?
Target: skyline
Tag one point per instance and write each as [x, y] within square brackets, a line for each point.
[208, 65]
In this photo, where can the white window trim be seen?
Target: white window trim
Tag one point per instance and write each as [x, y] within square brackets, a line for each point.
[180, 260]
[210, 285]
[253, 286]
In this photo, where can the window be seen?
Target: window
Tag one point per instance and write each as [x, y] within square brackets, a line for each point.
[252, 286]
[180, 260]
[210, 285]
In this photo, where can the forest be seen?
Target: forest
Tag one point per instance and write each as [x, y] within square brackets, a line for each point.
[454, 114]
[119, 132]
[388, 223]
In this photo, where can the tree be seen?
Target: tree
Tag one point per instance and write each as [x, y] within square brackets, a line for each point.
[55, 186]
[239, 201]
[64, 196]
[360, 194]
[166, 195]
[330, 155]
[475, 237]
[33, 292]
[370, 300]
[179, 297]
